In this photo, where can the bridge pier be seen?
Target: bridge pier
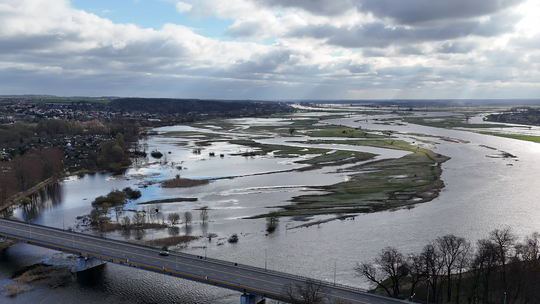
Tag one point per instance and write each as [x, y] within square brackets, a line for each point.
[85, 263]
[251, 299]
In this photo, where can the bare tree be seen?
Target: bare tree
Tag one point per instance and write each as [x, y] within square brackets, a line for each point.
[138, 219]
[369, 271]
[309, 292]
[482, 266]
[417, 270]
[390, 264]
[204, 215]
[188, 217]
[504, 240]
[272, 221]
[125, 221]
[118, 211]
[451, 248]
[173, 218]
[434, 266]
[529, 250]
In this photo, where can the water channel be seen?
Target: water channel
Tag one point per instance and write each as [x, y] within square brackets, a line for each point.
[483, 191]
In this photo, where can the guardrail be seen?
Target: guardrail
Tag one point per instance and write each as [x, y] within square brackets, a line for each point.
[178, 272]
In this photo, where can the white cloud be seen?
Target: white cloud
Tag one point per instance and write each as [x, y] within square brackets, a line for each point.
[183, 7]
[320, 51]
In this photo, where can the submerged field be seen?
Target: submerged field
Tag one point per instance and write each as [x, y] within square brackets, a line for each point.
[372, 184]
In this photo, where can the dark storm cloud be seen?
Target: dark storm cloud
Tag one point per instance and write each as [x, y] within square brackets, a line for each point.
[276, 64]
[410, 50]
[403, 12]
[378, 34]
[456, 48]
[317, 7]
[266, 63]
[404, 71]
[36, 42]
[359, 69]
[417, 11]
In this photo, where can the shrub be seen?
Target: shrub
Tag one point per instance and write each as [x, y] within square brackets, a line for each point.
[233, 238]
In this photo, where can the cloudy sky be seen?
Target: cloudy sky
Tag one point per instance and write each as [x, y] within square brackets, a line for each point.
[271, 49]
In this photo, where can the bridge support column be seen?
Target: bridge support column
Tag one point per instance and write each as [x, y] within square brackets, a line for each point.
[251, 299]
[85, 263]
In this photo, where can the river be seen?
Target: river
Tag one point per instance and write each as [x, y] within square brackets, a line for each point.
[483, 192]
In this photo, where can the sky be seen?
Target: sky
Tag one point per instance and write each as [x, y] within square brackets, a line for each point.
[272, 49]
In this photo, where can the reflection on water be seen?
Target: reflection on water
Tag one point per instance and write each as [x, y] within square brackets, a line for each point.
[47, 198]
[481, 194]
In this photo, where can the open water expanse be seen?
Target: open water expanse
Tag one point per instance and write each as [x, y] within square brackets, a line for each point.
[483, 191]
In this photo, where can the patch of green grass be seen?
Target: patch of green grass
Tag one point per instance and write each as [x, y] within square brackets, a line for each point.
[342, 132]
[200, 135]
[339, 156]
[323, 158]
[388, 143]
[448, 122]
[535, 139]
[221, 124]
[380, 185]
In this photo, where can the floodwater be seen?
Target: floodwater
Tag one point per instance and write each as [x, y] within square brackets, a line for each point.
[483, 191]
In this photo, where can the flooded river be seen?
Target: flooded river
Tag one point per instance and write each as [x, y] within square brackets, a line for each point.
[483, 191]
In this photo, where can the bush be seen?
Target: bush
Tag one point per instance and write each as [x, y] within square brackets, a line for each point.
[114, 198]
[132, 194]
[233, 239]
[156, 154]
[114, 167]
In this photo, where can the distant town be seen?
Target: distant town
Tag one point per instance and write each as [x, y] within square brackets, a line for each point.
[78, 126]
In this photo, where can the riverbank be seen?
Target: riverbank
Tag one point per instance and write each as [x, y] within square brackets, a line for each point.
[17, 198]
[377, 186]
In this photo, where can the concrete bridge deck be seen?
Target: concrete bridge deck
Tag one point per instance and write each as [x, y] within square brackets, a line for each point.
[242, 278]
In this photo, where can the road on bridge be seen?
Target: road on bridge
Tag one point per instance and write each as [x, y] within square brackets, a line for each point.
[225, 274]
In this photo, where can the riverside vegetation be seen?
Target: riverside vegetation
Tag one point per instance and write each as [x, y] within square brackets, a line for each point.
[497, 269]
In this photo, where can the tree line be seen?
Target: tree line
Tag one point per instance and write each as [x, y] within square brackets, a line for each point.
[27, 170]
[219, 108]
[496, 269]
[21, 136]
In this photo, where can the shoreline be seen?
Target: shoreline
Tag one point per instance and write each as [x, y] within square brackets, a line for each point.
[16, 198]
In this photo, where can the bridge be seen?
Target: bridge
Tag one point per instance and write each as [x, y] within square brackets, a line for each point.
[251, 281]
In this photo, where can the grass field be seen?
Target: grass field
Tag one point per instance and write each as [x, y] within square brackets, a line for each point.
[535, 139]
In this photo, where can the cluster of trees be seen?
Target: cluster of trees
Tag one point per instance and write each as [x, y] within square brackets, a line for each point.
[523, 115]
[114, 200]
[28, 170]
[20, 135]
[112, 155]
[190, 108]
[187, 217]
[499, 269]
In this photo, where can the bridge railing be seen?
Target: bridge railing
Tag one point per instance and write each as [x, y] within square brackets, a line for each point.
[211, 260]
